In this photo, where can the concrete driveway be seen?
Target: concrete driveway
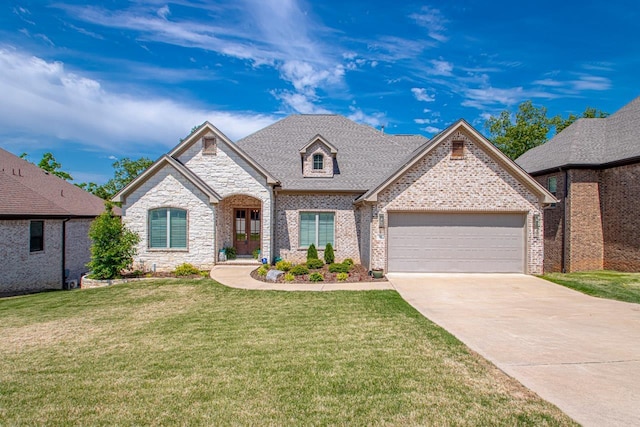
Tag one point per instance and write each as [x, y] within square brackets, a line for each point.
[578, 352]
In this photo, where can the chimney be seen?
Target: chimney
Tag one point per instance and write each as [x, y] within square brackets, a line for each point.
[382, 128]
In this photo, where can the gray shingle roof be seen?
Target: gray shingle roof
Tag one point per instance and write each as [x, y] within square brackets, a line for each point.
[365, 155]
[589, 142]
[25, 189]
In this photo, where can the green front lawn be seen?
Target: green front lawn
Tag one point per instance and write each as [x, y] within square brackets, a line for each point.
[603, 284]
[193, 352]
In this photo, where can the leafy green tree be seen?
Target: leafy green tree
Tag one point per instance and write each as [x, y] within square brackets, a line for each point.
[588, 113]
[126, 170]
[529, 130]
[113, 245]
[49, 164]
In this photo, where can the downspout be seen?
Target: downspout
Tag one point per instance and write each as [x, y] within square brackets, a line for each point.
[274, 224]
[64, 250]
[564, 221]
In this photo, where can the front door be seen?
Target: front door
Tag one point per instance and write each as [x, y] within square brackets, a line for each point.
[246, 230]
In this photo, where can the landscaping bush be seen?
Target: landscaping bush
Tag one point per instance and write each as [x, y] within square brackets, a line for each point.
[348, 261]
[315, 263]
[256, 254]
[186, 269]
[339, 268]
[262, 271]
[113, 245]
[316, 277]
[312, 252]
[288, 277]
[231, 252]
[283, 265]
[299, 270]
[329, 256]
[342, 277]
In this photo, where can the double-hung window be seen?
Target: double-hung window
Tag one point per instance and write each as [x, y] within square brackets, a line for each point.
[317, 228]
[36, 236]
[318, 162]
[168, 228]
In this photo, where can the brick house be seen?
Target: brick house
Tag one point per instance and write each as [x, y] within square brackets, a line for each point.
[391, 202]
[593, 168]
[44, 224]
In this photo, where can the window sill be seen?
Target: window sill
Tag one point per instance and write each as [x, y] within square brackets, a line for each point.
[168, 249]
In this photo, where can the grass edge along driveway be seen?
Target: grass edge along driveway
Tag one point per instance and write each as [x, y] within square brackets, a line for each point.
[613, 285]
[195, 352]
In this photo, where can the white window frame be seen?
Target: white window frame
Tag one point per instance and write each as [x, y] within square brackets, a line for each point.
[313, 161]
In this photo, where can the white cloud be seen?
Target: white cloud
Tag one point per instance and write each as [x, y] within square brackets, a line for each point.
[587, 82]
[164, 11]
[42, 97]
[431, 129]
[375, 120]
[433, 20]
[421, 94]
[425, 121]
[441, 68]
[299, 103]
[548, 82]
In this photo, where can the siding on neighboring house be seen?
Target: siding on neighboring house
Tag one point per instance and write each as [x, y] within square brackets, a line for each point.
[475, 184]
[78, 247]
[554, 224]
[30, 270]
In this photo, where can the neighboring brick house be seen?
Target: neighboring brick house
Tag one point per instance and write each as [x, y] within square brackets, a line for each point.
[593, 168]
[392, 202]
[44, 224]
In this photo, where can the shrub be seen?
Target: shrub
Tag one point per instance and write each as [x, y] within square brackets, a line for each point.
[262, 271]
[329, 257]
[299, 270]
[113, 245]
[288, 277]
[186, 269]
[256, 253]
[316, 277]
[339, 268]
[342, 277]
[312, 252]
[230, 252]
[315, 263]
[348, 261]
[283, 265]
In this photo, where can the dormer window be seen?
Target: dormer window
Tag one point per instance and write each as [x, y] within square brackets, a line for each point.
[318, 162]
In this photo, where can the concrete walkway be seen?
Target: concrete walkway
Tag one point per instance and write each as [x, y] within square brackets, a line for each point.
[238, 276]
[579, 352]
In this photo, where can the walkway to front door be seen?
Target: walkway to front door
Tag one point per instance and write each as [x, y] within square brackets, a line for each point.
[246, 230]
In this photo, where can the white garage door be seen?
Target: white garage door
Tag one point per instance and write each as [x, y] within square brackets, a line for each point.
[456, 243]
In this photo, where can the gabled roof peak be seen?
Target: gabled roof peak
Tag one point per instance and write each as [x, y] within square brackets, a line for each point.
[323, 141]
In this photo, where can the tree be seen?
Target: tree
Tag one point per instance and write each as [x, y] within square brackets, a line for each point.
[329, 256]
[312, 252]
[49, 164]
[113, 245]
[530, 129]
[126, 170]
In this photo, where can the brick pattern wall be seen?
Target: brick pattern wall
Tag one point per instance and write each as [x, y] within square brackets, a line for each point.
[317, 147]
[475, 183]
[364, 211]
[620, 200]
[78, 247]
[288, 208]
[553, 224]
[23, 270]
[584, 245]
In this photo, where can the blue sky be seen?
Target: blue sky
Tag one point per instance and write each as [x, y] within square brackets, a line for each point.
[93, 83]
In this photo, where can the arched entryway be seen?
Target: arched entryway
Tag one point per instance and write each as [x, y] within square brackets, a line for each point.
[241, 224]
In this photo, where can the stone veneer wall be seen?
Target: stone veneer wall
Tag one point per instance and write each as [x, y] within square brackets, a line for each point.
[289, 206]
[475, 183]
[554, 224]
[230, 175]
[78, 247]
[620, 200]
[29, 271]
[168, 188]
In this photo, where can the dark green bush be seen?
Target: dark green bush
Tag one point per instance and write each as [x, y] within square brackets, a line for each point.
[329, 256]
[315, 263]
[299, 270]
[312, 252]
[230, 252]
[339, 268]
[316, 277]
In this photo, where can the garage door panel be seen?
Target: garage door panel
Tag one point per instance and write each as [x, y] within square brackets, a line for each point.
[452, 242]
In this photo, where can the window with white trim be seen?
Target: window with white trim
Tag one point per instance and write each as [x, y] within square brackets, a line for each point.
[318, 162]
[317, 228]
[168, 228]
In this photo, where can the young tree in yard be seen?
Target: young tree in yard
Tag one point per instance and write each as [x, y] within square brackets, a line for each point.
[329, 256]
[113, 245]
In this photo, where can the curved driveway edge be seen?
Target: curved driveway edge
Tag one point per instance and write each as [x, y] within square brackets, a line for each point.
[238, 276]
[580, 353]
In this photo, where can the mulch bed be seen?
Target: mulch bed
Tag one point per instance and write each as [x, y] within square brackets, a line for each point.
[357, 274]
